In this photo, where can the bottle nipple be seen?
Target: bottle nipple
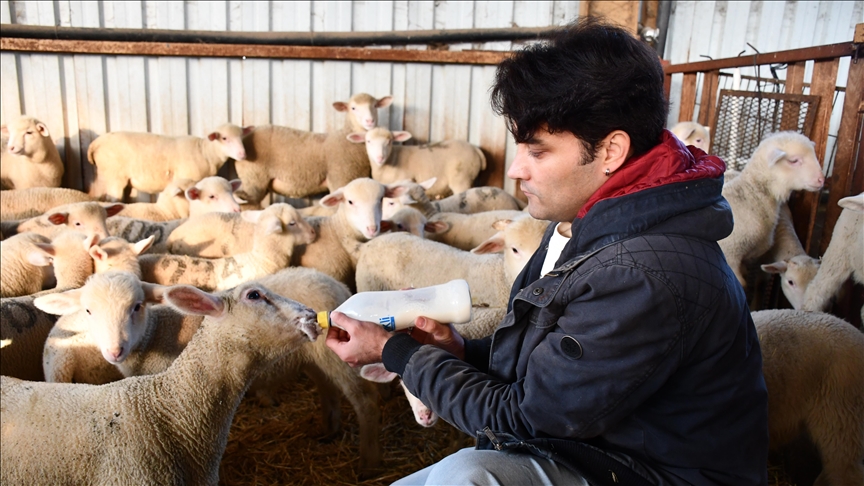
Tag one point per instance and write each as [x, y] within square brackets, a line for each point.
[324, 319]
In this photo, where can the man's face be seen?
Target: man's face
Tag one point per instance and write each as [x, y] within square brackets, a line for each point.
[550, 174]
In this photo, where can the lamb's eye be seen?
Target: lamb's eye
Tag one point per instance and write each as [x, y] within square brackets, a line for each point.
[350, 202]
[88, 312]
[292, 223]
[253, 295]
[137, 307]
[78, 223]
[791, 283]
[515, 250]
[212, 196]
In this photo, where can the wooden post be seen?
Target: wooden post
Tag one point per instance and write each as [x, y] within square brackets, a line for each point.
[623, 13]
[708, 105]
[688, 97]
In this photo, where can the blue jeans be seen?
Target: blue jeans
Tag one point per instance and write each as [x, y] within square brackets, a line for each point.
[487, 467]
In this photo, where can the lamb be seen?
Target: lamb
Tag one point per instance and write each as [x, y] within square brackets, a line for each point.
[692, 133]
[218, 235]
[398, 260]
[149, 340]
[454, 163]
[28, 156]
[783, 162]
[31, 262]
[467, 231]
[149, 162]
[340, 236]
[132, 229]
[814, 371]
[29, 203]
[796, 273]
[88, 217]
[170, 204]
[114, 253]
[272, 246]
[843, 258]
[413, 221]
[297, 163]
[473, 200]
[213, 195]
[168, 428]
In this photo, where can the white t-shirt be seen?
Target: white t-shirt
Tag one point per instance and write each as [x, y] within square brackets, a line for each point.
[556, 246]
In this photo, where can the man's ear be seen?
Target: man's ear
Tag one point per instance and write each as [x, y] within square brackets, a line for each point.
[614, 150]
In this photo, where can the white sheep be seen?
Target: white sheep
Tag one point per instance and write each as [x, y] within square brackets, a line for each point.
[795, 273]
[28, 156]
[398, 260]
[692, 133]
[170, 204]
[272, 246]
[133, 229]
[466, 231]
[473, 200]
[30, 262]
[149, 162]
[814, 371]
[357, 220]
[298, 163]
[214, 195]
[87, 217]
[453, 163]
[844, 257]
[168, 428]
[115, 253]
[217, 235]
[17, 204]
[413, 221]
[783, 162]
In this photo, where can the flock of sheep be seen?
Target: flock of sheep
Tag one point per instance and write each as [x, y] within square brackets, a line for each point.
[132, 331]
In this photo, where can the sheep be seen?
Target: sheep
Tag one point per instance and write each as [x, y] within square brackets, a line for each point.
[132, 229]
[25, 328]
[843, 258]
[473, 200]
[454, 163]
[28, 156]
[814, 372]
[466, 231]
[170, 204]
[168, 428]
[357, 220]
[796, 273]
[297, 163]
[783, 162]
[88, 217]
[31, 262]
[414, 222]
[149, 162]
[213, 195]
[218, 235]
[115, 253]
[29, 203]
[692, 133]
[272, 246]
[398, 260]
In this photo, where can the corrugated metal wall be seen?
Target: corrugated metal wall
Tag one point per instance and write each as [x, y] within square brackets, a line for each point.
[83, 96]
[721, 29]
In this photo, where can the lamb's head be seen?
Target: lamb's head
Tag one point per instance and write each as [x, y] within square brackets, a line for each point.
[362, 110]
[213, 195]
[112, 306]
[788, 162]
[692, 133]
[173, 197]
[269, 324]
[379, 143]
[413, 221]
[229, 138]
[360, 204]
[796, 273]
[288, 220]
[518, 239]
[114, 253]
[87, 217]
[26, 136]
[415, 193]
[376, 372]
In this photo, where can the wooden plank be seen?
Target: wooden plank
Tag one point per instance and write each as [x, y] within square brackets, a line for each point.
[449, 118]
[826, 52]
[688, 98]
[418, 77]
[858, 37]
[842, 181]
[292, 87]
[255, 17]
[708, 105]
[331, 81]
[650, 8]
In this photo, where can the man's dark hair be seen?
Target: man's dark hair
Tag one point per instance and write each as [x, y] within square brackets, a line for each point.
[589, 79]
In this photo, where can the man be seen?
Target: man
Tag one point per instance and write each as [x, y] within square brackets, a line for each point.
[630, 356]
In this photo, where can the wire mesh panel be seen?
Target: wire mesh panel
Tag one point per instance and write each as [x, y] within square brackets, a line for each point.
[744, 118]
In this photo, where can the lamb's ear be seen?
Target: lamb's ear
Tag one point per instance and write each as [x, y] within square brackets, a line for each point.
[251, 216]
[494, 244]
[377, 372]
[395, 191]
[776, 267]
[90, 241]
[153, 293]
[340, 106]
[436, 227]
[61, 303]
[501, 224]
[401, 136]
[213, 136]
[42, 255]
[191, 300]
[248, 130]
[98, 253]
[690, 134]
[143, 245]
[333, 199]
[58, 218]
[4, 129]
[43, 129]
[775, 156]
[853, 203]
[272, 224]
[113, 208]
[708, 130]
[428, 183]
[384, 102]
[235, 184]
[356, 137]
[193, 193]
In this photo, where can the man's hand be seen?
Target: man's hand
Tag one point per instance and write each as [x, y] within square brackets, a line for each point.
[357, 342]
[430, 331]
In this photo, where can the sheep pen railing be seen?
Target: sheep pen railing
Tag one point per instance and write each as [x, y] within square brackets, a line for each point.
[814, 213]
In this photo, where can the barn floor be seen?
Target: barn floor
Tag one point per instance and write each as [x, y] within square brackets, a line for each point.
[279, 445]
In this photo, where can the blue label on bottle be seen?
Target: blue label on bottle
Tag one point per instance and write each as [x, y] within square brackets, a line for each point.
[389, 322]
